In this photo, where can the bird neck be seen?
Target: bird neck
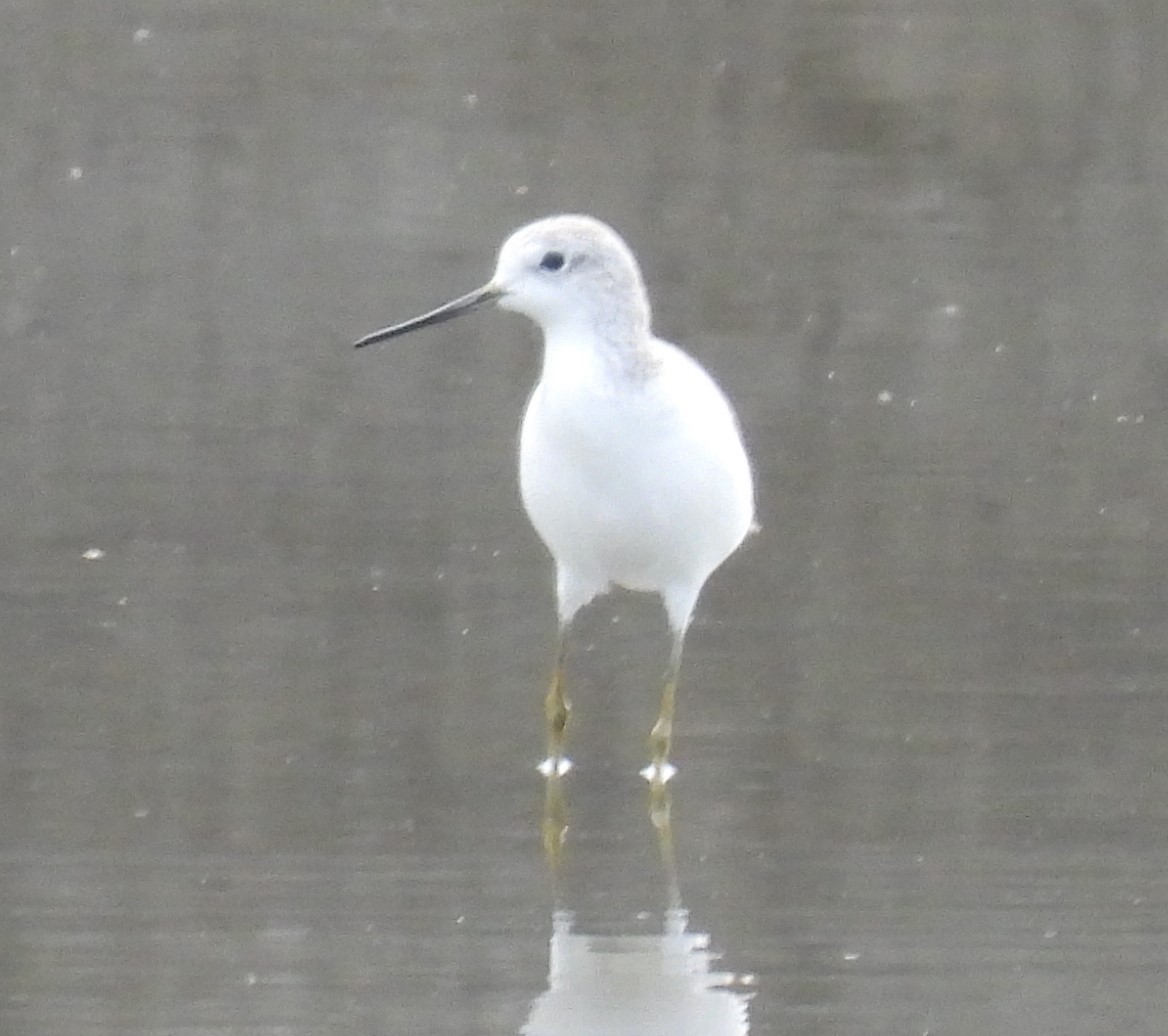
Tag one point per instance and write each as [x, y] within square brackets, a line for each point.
[618, 354]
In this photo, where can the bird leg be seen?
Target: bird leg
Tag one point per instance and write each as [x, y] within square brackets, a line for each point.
[662, 733]
[556, 706]
[661, 736]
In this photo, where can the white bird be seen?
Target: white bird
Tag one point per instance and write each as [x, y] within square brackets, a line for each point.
[631, 463]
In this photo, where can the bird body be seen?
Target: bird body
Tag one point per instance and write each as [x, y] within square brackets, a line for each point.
[635, 481]
[631, 464]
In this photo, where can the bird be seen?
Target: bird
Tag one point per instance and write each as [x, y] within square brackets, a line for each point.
[632, 467]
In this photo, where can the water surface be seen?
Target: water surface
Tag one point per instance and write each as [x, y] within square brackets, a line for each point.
[275, 627]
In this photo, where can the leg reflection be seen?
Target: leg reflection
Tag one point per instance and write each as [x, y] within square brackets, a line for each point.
[636, 982]
[660, 816]
[555, 822]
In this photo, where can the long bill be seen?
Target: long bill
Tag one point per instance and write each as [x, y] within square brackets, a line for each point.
[463, 304]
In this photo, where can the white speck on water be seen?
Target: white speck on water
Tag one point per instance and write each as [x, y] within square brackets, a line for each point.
[250, 979]
[951, 310]
[521, 190]
[884, 397]
[1094, 397]
[14, 249]
[122, 601]
[460, 919]
[94, 554]
[470, 101]
[75, 173]
[831, 375]
[550, 767]
[660, 773]
[851, 956]
[466, 631]
[141, 35]
[1050, 933]
[1000, 347]
[141, 814]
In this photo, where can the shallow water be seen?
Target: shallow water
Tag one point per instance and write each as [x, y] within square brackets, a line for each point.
[276, 629]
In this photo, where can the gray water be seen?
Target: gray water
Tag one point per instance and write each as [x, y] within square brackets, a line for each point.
[275, 628]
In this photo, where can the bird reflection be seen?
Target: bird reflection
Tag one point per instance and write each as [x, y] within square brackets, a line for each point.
[632, 985]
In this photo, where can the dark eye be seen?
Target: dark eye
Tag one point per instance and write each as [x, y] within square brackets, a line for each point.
[552, 261]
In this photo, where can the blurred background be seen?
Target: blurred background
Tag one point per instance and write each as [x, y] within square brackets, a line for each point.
[275, 630]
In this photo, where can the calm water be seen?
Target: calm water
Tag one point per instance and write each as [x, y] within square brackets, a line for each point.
[275, 629]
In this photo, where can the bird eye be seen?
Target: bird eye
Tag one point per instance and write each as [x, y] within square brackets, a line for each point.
[552, 261]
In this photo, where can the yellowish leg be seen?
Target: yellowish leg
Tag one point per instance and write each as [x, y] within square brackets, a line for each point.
[556, 705]
[661, 736]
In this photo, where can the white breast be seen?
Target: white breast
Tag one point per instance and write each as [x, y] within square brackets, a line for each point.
[627, 482]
